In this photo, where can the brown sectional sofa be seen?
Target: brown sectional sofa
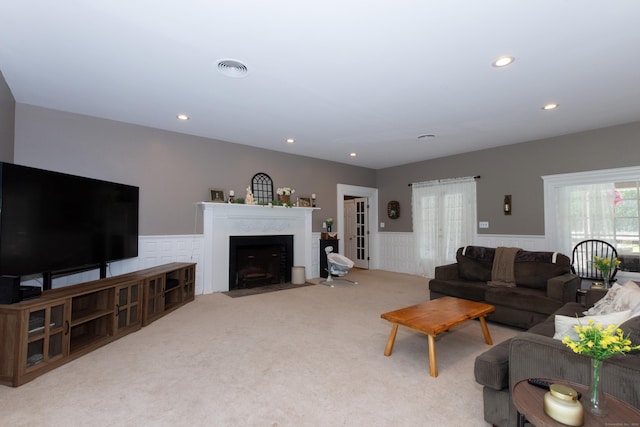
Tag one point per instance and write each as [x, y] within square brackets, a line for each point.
[535, 354]
[544, 287]
[543, 280]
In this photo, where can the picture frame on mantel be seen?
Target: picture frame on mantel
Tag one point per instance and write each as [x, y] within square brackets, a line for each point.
[304, 202]
[216, 195]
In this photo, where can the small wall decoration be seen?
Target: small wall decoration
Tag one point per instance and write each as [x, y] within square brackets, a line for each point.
[216, 195]
[393, 209]
[507, 204]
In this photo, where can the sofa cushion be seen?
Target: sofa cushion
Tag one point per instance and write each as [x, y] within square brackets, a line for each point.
[532, 269]
[631, 330]
[534, 274]
[474, 264]
[464, 289]
[518, 298]
[547, 328]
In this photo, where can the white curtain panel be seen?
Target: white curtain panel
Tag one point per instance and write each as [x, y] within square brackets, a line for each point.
[444, 218]
[584, 211]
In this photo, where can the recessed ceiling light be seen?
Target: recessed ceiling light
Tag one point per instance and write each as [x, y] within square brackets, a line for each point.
[503, 61]
[182, 117]
[290, 140]
[232, 68]
[353, 154]
[550, 106]
[426, 136]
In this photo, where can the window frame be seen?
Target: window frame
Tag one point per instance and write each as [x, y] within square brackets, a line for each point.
[553, 182]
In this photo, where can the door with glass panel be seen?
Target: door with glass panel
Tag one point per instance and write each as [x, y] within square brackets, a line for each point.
[356, 229]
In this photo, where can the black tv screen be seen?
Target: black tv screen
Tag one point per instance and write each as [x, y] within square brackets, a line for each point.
[53, 222]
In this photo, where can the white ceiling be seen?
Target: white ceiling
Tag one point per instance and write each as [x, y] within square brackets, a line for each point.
[339, 76]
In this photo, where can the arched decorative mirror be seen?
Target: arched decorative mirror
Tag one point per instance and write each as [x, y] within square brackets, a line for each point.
[262, 188]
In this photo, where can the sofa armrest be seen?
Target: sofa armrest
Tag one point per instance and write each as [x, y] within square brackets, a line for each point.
[593, 296]
[563, 288]
[447, 272]
[537, 356]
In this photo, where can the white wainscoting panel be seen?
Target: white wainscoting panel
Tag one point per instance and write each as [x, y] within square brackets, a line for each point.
[158, 250]
[152, 251]
[396, 252]
[315, 259]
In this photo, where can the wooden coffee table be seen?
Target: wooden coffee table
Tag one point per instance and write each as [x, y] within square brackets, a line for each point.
[434, 317]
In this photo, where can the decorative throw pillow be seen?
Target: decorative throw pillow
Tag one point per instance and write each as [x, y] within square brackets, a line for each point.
[605, 304]
[565, 324]
[618, 298]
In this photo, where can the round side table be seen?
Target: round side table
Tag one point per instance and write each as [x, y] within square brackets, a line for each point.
[529, 401]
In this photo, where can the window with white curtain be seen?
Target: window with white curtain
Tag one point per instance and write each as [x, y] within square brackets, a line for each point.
[444, 217]
[602, 205]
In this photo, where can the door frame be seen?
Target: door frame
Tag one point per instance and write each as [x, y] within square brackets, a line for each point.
[372, 196]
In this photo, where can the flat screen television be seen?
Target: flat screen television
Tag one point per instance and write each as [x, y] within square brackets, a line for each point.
[51, 222]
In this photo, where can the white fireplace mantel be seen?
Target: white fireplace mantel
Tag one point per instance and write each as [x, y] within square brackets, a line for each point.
[219, 221]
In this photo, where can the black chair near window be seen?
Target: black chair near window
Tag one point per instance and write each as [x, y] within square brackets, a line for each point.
[582, 259]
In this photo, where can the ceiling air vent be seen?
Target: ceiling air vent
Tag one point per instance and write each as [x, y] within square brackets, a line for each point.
[232, 68]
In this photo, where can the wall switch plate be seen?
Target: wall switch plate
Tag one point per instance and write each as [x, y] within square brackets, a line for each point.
[484, 224]
[382, 225]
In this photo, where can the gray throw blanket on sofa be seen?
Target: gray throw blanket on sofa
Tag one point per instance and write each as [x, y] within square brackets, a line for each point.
[503, 270]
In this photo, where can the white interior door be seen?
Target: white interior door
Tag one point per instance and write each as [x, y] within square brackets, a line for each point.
[349, 241]
[356, 234]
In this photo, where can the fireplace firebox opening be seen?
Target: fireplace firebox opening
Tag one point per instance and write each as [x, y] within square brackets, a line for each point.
[256, 261]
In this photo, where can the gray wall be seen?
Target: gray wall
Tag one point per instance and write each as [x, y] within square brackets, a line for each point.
[514, 169]
[174, 171]
[7, 120]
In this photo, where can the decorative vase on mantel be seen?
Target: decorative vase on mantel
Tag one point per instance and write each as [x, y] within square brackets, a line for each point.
[284, 198]
[596, 402]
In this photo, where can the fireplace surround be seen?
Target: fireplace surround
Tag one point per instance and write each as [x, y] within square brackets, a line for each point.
[219, 221]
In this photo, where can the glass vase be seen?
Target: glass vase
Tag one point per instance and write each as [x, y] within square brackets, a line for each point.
[596, 402]
[606, 282]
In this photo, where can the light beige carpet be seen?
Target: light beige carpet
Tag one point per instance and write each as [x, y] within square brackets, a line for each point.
[311, 356]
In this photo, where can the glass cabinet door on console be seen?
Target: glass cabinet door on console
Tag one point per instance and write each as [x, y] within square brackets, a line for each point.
[189, 283]
[128, 306]
[154, 302]
[173, 290]
[47, 335]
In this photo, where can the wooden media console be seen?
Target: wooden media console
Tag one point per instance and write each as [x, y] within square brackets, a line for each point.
[40, 334]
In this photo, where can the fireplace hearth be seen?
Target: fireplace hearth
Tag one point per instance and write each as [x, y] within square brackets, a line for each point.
[256, 261]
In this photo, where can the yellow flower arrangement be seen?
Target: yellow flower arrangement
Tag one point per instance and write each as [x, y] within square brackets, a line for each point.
[605, 265]
[599, 342]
